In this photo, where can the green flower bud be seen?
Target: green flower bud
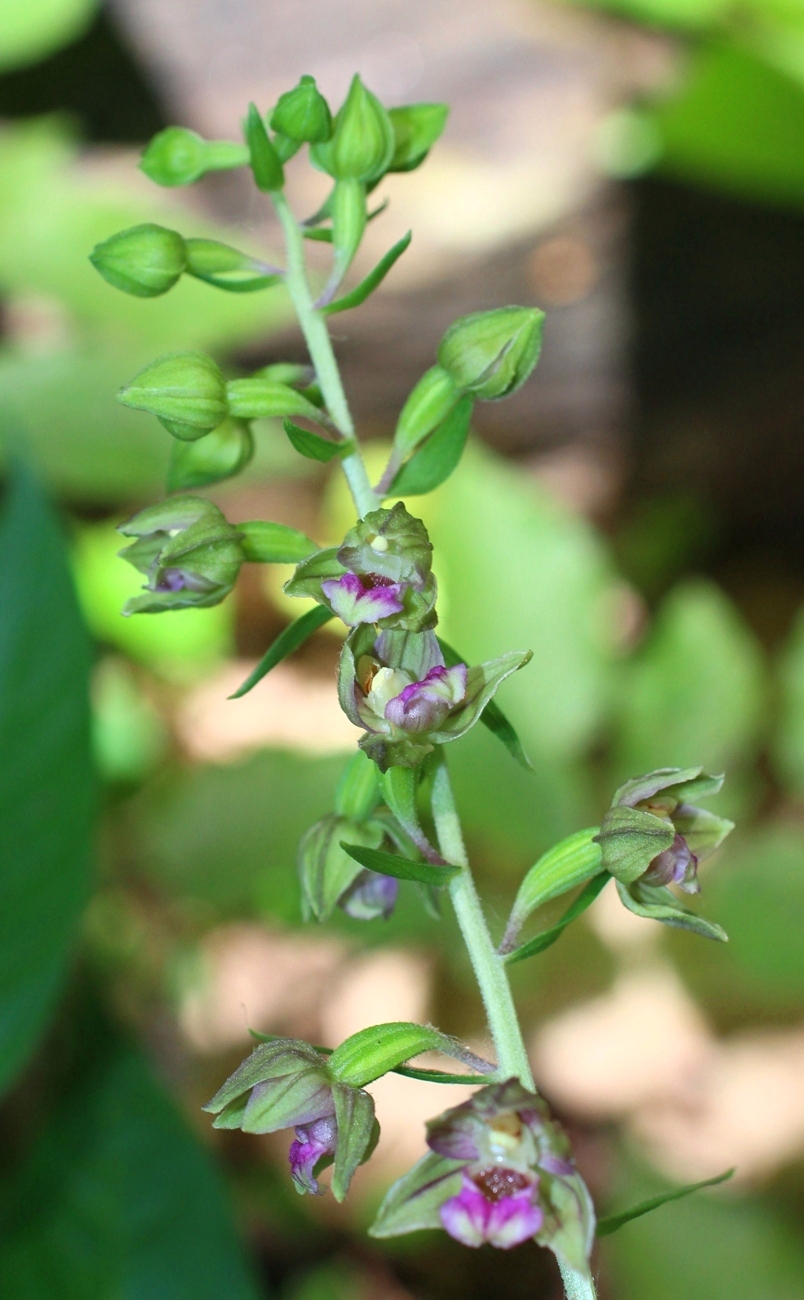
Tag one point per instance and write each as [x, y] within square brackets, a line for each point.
[390, 544]
[265, 161]
[189, 552]
[145, 260]
[185, 390]
[491, 353]
[363, 141]
[326, 871]
[177, 156]
[303, 114]
[416, 129]
[219, 455]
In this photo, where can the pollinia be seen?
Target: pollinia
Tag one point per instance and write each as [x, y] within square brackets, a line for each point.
[499, 1169]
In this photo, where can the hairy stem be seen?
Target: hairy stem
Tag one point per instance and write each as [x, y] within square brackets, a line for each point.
[489, 969]
[577, 1286]
[322, 355]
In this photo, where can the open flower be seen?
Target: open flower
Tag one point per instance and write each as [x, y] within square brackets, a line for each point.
[363, 599]
[287, 1084]
[499, 1171]
[188, 551]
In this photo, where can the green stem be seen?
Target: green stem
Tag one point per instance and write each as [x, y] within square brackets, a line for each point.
[488, 966]
[577, 1286]
[319, 346]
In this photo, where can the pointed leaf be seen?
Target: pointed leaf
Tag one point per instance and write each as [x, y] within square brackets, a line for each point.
[313, 446]
[354, 1112]
[439, 1076]
[322, 235]
[372, 1052]
[561, 869]
[414, 1200]
[614, 1221]
[482, 682]
[547, 938]
[390, 864]
[492, 716]
[267, 543]
[284, 645]
[374, 278]
[656, 903]
[433, 462]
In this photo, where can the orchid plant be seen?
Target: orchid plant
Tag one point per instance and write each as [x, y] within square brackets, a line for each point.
[499, 1169]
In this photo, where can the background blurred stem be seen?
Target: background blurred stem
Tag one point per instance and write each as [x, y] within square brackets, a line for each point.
[322, 355]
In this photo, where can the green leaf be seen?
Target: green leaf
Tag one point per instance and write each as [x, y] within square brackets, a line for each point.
[375, 1051]
[390, 864]
[492, 716]
[374, 278]
[547, 938]
[313, 446]
[321, 235]
[414, 1200]
[357, 1127]
[46, 782]
[433, 462]
[287, 641]
[265, 162]
[409, 1071]
[561, 869]
[268, 543]
[614, 1221]
[118, 1199]
[656, 903]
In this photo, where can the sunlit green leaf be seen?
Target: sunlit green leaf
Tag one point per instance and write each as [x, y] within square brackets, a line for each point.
[287, 641]
[391, 864]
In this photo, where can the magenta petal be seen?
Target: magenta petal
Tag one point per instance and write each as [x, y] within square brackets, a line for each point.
[424, 705]
[355, 600]
[312, 1142]
[471, 1218]
[513, 1219]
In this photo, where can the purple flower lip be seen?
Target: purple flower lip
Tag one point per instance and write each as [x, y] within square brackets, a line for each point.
[494, 1205]
[312, 1142]
[424, 705]
[364, 599]
[675, 866]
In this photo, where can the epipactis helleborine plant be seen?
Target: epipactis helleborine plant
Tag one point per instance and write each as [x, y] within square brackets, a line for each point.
[499, 1170]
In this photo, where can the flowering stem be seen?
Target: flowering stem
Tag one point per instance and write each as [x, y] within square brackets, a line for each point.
[319, 346]
[577, 1286]
[489, 969]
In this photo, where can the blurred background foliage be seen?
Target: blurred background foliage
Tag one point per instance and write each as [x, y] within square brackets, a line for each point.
[149, 907]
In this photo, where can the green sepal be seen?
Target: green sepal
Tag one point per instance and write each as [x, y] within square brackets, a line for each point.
[313, 446]
[326, 868]
[561, 869]
[390, 864]
[703, 831]
[482, 681]
[268, 543]
[630, 839]
[220, 455]
[492, 716]
[413, 1202]
[288, 640]
[177, 156]
[302, 114]
[374, 278]
[547, 938]
[227, 268]
[184, 390]
[612, 1222]
[265, 161]
[258, 399]
[373, 1052]
[657, 903]
[568, 1229]
[358, 1133]
[272, 1059]
[416, 129]
[294, 1099]
[663, 780]
[314, 570]
[145, 260]
[431, 464]
[358, 792]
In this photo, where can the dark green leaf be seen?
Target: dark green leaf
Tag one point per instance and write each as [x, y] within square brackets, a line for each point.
[544, 940]
[564, 867]
[313, 446]
[374, 278]
[492, 716]
[46, 785]
[119, 1199]
[389, 864]
[284, 645]
[433, 462]
[614, 1221]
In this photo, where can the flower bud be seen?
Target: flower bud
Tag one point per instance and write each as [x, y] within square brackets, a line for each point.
[303, 114]
[145, 260]
[189, 552]
[177, 156]
[265, 161]
[491, 353]
[219, 455]
[185, 391]
[326, 871]
[362, 142]
[416, 129]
